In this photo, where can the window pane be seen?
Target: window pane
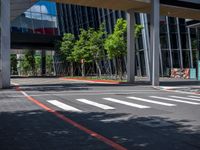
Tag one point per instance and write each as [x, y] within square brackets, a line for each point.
[166, 62]
[176, 58]
[186, 59]
[37, 22]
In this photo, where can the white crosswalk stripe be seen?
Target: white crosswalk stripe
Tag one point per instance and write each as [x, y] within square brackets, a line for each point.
[151, 101]
[175, 100]
[193, 100]
[194, 96]
[126, 103]
[64, 106]
[102, 106]
[187, 98]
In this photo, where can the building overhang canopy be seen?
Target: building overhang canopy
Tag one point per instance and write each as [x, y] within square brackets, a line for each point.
[189, 9]
[175, 8]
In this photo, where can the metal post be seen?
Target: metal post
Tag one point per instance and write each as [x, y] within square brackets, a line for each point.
[130, 46]
[4, 43]
[169, 42]
[145, 39]
[190, 48]
[179, 42]
[155, 42]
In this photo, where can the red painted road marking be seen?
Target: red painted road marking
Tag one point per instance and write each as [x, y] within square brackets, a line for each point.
[92, 81]
[75, 124]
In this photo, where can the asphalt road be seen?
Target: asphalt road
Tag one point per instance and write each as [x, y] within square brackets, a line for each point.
[53, 114]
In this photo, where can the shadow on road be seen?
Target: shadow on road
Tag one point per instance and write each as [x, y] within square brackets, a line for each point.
[69, 86]
[40, 130]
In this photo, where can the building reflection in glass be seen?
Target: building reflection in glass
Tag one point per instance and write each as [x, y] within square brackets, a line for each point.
[41, 18]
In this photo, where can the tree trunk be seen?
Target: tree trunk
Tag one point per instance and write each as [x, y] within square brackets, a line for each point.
[71, 69]
[120, 68]
[116, 67]
[98, 68]
[83, 69]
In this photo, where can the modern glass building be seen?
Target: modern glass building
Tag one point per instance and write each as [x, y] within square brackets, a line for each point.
[36, 28]
[47, 20]
[178, 44]
[39, 19]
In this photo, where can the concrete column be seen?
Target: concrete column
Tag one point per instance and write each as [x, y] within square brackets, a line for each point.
[43, 63]
[155, 41]
[4, 44]
[130, 46]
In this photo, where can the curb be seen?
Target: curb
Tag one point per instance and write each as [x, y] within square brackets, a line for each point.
[92, 81]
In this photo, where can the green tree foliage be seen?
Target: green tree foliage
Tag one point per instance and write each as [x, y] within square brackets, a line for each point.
[81, 53]
[28, 63]
[81, 48]
[89, 48]
[115, 44]
[138, 30]
[14, 64]
[95, 44]
[91, 44]
[194, 44]
[38, 61]
[67, 46]
[49, 64]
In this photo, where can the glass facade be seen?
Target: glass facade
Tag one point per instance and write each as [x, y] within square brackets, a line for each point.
[41, 18]
[178, 44]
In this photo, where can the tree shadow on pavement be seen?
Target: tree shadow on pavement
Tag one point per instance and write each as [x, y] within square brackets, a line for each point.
[41, 130]
[71, 86]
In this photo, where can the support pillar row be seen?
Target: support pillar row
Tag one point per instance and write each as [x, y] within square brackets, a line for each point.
[4, 44]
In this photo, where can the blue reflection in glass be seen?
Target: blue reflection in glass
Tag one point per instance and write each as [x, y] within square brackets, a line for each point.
[41, 18]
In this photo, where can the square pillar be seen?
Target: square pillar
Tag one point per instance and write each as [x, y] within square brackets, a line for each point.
[4, 44]
[130, 46]
[155, 42]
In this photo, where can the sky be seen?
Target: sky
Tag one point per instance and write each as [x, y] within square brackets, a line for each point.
[46, 7]
[42, 7]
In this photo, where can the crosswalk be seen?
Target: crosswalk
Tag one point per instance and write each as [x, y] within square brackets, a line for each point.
[126, 103]
[131, 101]
[102, 106]
[151, 101]
[175, 100]
[64, 106]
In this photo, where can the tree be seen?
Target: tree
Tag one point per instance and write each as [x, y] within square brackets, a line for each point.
[29, 56]
[49, 64]
[95, 45]
[28, 62]
[138, 30]
[67, 47]
[14, 64]
[81, 52]
[115, 44]
[38, 61]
